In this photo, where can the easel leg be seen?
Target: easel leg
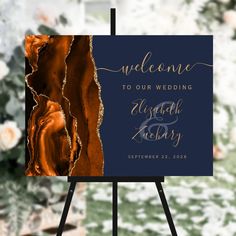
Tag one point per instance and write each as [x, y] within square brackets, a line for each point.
[166, 209]
[114, 208]
[114, 183]
[66, 208]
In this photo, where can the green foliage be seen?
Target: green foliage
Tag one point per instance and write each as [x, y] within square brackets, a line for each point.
[63, 19]
[22, 196]
[214, 10]
[13, 206]
[47, 30]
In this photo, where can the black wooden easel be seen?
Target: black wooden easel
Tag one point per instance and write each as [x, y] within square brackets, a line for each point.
[75, 179]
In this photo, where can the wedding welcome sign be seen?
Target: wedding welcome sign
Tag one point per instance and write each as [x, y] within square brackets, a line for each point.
[115, 106]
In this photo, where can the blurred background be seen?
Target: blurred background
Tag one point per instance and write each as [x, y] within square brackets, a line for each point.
[200, 205]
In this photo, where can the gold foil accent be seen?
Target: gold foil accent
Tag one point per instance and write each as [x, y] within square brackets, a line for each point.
[72, 165]
[89, 115]
[101, 107]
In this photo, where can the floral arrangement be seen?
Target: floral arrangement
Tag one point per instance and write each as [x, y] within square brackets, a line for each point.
[20, 196]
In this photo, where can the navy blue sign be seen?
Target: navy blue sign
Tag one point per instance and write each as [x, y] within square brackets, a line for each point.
[157, 93]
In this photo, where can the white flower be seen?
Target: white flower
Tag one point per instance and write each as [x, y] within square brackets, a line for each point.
[224, 1]
[146, 17]
[17, 17]
[224, 66]
[107, 226]
[220, 121]
[10, 135]
[4, 70]
[230, 18]
[233, 135]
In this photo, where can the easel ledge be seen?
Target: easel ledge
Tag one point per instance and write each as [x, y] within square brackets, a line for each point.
[115, 179]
